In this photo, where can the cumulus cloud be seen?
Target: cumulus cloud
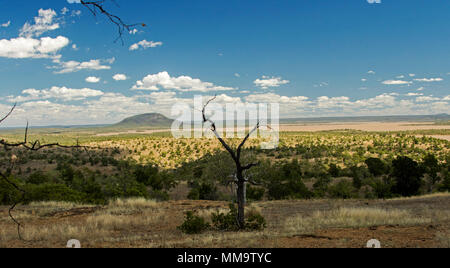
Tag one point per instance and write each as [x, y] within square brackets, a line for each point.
[42, 23]
[75, 66]
[396, 82]
[51, 106]
[6, 24]
[181, 83]
[426, 99]
[120, 77]
[412, 94]
[144, 44]
[23, 47]
[267, 82]
[59, 93]
[429, 80]
[92, 79]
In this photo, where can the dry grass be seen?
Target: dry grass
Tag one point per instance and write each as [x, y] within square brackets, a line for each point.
[146, 223]
[447, 194]
[443, 239]
[351, 218]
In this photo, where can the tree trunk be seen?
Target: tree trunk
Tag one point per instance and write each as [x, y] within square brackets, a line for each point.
[241, 200]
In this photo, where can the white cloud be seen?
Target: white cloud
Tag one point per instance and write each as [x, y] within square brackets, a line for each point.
[267, 82]
[64, 10]
[144, 44]
[75, 66]
[426, 99]
[51, 107]
[92, 79]
[60, 93]
[429, 80]
[120, 77]
[396, 82]
[22, 47]
[43, 23]
[6, 24]
[412, 75]
[371, 72]
[181, 83]
[412, 94]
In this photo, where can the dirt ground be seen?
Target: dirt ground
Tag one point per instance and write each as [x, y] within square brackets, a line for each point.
[162, 230]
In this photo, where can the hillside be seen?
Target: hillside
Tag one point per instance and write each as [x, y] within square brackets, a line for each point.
[151, 120]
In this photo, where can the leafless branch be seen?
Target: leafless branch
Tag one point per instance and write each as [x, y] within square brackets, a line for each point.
[10, 112]
[239, 180]
[33, 146]
[97, 7]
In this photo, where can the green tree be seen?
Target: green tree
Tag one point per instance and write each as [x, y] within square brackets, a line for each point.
[407, 175]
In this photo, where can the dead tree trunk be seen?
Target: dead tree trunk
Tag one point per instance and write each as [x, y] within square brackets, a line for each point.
[240, 169]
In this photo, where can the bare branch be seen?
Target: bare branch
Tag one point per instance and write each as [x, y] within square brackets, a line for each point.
[96, 7]
[239, 150]
[10, 112]
[34, 146]
[249, 166]
[214, 129]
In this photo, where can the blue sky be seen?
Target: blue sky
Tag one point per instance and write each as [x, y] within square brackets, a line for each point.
[316, 58]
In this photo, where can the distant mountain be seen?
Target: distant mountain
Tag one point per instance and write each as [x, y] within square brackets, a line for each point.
[151, 120]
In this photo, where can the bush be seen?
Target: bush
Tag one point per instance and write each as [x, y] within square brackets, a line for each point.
[321, 186]
[255, 221]
[377, 167]
[334, 171]
[52, 192]
[343, 189]
[382, 188]
[204, 191]
[193, 224]
[226, 222]
[407, 175]
[255, 193]
[284, 181]
[9, 194]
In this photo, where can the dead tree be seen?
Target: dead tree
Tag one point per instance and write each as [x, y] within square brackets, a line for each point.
[97, 7]
[240, 180]
[31, 146]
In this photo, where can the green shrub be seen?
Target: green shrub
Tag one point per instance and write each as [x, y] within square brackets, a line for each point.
[377, 167]
[53, 192]
[343, 189]
[9, 194]
[226, 222]
[204, 191]
[407, 175]
[321, 186]
[255, 193]
[193, 224]
[255, 222]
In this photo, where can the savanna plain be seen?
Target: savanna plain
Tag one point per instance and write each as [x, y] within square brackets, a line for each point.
[333, 185]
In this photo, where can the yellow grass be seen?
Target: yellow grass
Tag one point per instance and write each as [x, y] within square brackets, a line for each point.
[447, 194]
[352, 218]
